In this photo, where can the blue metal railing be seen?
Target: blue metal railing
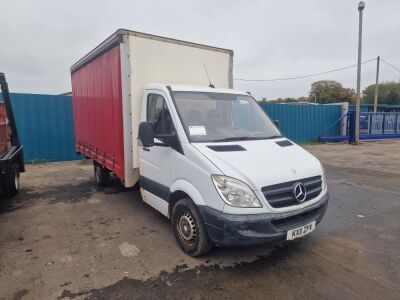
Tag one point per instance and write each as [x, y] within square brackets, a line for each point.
[381, 125]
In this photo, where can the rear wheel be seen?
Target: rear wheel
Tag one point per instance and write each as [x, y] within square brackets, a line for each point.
[11, 182]
[101, 175]
[189, 228]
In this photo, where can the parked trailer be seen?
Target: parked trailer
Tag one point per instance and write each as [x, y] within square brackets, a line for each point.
[208, 158]
[11, 150]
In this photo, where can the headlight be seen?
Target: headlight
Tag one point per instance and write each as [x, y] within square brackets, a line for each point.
[324, 186]
[235, 192]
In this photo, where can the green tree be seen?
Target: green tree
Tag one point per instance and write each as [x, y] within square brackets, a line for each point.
[388, 93]
[263, 101]
[303, 99]
[290, 100]
[393, 98]
[330, 91]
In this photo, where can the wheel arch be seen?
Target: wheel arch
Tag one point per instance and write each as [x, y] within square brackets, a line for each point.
[183, 189]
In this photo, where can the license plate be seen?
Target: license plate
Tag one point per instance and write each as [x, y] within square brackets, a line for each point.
[301, 231]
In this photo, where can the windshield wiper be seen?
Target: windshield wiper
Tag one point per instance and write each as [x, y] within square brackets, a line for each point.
[271, 137]
[246, 138]
[234, 138]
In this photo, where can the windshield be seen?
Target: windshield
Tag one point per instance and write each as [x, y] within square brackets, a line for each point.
[217, 117]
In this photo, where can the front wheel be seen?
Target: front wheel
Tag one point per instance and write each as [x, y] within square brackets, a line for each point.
[189, 229]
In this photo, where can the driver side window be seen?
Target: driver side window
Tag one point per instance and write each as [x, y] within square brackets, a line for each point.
[158, 114]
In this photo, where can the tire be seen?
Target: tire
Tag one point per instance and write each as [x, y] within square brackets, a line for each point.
[101, 175]
[189, 229]
[11, 182]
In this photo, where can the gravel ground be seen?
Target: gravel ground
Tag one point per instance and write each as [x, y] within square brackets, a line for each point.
[63, 238]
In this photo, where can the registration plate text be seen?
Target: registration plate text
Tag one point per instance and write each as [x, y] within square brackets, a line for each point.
[301, 231]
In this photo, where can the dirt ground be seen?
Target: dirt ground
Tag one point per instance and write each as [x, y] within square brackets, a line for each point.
[62, 238]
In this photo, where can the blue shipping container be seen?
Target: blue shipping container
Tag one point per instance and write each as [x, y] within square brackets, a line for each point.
[304, 123]
[45, 126]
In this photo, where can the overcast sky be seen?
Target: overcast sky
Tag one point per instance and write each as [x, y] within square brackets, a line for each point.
[40, 40]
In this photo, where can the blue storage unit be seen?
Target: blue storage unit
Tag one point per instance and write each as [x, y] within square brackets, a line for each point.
[45, 126]
[304, 123]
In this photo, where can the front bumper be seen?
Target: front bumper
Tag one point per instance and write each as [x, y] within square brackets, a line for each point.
[237, 230]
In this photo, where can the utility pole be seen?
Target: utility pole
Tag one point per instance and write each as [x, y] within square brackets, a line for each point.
[361, 6]
[376, 84]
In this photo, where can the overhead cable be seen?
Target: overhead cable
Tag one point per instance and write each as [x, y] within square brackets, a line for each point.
[390, 65]
[305, 76]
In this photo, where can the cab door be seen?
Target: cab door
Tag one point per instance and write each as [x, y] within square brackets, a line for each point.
[157, 162]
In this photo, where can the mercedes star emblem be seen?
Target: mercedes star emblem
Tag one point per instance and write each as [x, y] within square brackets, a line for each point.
[299, 192]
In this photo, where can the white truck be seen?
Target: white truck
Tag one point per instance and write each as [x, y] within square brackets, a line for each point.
[162, 112]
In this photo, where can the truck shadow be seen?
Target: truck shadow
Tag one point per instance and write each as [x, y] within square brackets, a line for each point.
[67, 193]
[114, 186]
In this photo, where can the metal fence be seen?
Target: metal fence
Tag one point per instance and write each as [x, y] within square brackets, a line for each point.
[45, 126]
[373, 126]
[305, 123]
[380, 124]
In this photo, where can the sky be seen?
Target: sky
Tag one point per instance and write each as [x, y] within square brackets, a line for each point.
[40, 40]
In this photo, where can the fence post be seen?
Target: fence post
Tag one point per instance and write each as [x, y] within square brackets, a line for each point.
[370, 123]
[343, 124]
[383, 124]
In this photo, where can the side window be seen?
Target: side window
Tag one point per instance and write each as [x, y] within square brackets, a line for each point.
[158, 114]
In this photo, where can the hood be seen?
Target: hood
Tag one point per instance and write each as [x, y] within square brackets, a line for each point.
[261, 163]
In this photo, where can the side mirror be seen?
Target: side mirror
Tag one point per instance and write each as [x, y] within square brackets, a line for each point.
[276, 122]
[146, 134]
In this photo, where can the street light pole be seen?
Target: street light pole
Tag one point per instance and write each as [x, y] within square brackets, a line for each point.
[361, 6]
[376, 85]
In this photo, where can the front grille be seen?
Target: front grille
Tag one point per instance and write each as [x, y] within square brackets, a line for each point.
[281, 195]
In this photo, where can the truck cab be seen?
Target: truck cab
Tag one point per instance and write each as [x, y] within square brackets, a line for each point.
[214, 163]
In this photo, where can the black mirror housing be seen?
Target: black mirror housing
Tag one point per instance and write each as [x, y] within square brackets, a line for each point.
[146, 134]
[276, 122]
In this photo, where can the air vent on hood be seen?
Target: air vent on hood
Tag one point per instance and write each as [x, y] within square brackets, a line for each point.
[226, 148]
[284, 143]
